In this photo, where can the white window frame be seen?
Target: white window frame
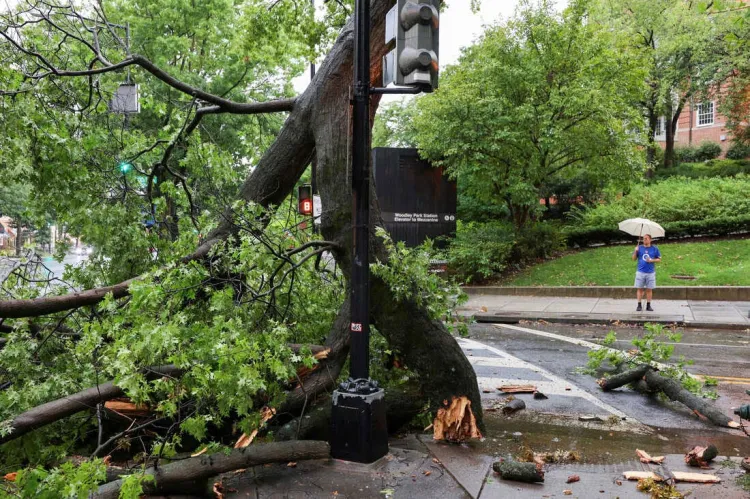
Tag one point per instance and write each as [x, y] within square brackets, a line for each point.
[700, 113]
[661, 128]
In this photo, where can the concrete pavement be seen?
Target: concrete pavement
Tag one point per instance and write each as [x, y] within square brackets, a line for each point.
[509, 308]
[419, 467]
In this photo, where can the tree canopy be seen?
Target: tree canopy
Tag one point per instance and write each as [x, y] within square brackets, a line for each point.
[541, 96]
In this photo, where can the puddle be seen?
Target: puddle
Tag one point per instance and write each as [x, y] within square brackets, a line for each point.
[600, 446]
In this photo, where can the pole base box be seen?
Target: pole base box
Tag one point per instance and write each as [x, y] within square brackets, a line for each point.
[358, 426]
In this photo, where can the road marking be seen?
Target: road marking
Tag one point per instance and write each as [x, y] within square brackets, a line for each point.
[576, 341]
[555, 385]
[711, 345]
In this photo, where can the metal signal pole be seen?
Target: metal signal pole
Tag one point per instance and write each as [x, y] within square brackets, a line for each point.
[359, 430]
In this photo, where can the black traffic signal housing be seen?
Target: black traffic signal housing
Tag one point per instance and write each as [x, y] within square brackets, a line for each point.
[417, 43]
[305, 200]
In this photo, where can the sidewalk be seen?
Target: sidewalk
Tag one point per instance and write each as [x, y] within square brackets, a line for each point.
[418, 467]
[692, 313]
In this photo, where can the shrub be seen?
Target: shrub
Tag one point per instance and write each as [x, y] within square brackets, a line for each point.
[540, 240]
[672, 200]
[738, 150]
[609, 234]
[708, 150]
[480, 250]
[686, 154]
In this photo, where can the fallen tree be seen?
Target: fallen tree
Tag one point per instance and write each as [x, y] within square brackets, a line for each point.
[317, 127]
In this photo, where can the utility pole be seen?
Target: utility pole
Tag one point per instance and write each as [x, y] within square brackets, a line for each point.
[314, 162]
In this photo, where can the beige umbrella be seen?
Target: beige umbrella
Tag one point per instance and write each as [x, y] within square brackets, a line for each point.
[640, 227]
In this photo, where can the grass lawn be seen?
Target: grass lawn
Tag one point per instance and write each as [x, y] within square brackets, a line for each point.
[717, 263]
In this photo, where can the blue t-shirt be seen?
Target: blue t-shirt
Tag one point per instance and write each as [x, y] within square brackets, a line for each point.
[644, 266]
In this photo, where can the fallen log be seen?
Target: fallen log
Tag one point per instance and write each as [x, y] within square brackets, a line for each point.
[679, 476]
[169, 477]
[624, 378]
[699, 406]
[518, 471]
[44, 414]
[700, 456]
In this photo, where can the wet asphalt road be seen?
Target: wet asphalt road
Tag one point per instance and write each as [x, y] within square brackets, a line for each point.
[724, 355]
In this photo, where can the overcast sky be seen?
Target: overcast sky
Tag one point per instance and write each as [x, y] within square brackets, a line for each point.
[459, 27]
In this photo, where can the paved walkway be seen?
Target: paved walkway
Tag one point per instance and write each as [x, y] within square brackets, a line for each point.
[503, 308]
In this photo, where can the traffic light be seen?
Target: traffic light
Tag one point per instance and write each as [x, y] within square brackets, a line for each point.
[417, 43]
[124, 166]
[305, 199]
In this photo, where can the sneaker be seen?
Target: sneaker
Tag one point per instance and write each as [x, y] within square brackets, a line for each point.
[648, 308]
[639, 309]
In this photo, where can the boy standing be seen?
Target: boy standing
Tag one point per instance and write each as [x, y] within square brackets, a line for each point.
[645, 277]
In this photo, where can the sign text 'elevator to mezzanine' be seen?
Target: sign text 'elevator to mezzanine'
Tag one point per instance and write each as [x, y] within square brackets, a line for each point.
[420, 218]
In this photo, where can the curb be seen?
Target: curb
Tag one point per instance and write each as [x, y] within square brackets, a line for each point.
[566, 318]
[696, 293]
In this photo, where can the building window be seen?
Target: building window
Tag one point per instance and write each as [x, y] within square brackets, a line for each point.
[661, 128]
[705, 114]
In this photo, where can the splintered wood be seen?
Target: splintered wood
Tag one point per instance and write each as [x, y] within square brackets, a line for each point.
[678, 476]
[125, 407]
[266, 413]
[455, 422]
[517, 388]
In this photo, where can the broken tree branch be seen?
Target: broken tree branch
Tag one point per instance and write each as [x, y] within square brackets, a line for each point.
[56, 410]
[622, 379]
[170, 476]
[676, 392]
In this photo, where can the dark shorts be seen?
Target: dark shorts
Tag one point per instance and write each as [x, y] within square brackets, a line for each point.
[645, 281]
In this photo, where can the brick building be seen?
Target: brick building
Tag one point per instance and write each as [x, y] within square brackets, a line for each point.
[699, 122]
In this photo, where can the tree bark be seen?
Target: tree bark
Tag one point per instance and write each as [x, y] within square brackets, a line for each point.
[519, 472]
[673, 390]
[622, 379]
[170, 476]
[56, 410]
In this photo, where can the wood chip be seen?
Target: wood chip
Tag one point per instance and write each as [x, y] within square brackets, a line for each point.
[291, 464]
[646, 458]
[517, 388]
[427, 473]
[568, 492]
[200, 452]
[573, 478]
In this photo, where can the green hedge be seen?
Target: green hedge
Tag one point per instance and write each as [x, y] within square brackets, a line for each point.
[722, 226]
[713, 168]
